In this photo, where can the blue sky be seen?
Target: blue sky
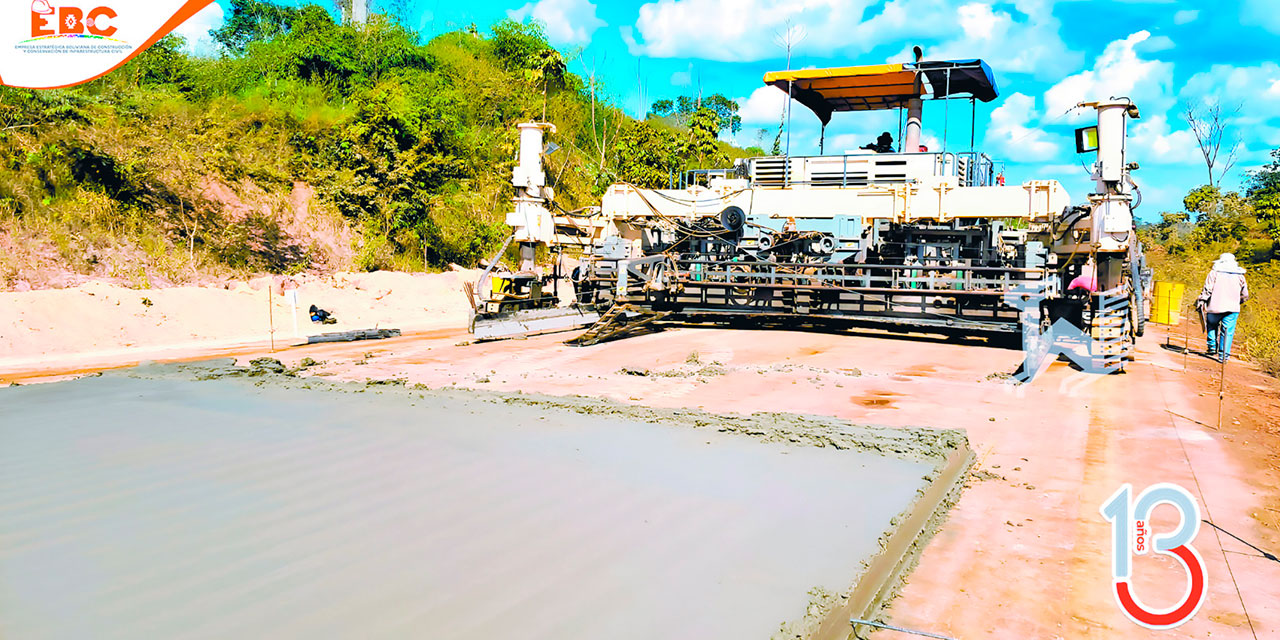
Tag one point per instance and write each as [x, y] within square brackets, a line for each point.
[1047, 56]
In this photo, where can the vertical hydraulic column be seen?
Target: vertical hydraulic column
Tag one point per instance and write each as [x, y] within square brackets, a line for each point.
[915, 107]
[915, 110]
[1112, 202]
[531, 220]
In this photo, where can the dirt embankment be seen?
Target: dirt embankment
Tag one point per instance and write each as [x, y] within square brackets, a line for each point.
[100, 320]
[211, 232]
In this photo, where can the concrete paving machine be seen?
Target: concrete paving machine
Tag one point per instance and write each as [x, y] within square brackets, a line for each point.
[905, 237]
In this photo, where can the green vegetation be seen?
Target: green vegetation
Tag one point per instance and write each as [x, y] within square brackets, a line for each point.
[1184, 244]
[311, 144]
[682, 109]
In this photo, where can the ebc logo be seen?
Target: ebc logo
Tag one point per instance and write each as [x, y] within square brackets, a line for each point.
[1132, 533]
[71, 21]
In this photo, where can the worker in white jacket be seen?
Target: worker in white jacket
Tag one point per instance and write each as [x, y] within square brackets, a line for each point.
[1224, 291]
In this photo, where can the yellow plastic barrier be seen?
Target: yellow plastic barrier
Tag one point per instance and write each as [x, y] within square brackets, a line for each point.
[1166, 305]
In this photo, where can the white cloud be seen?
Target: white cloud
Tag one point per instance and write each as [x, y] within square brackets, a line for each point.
[1255, 89]
[764, 106]
[1185, 16]
[1122, 70]
[1154, 45]
[1151, 140]
[846, 143]
[1012, 134]
[867, 133]
[1270, 137]
[1261, 13]
[747, 30]
[728, 29]
[1062, 172]
[978, 20]
[568, 22]
[196, 31]
[1030, 46]
[682, 78]
[930, 141]
[1119, 71]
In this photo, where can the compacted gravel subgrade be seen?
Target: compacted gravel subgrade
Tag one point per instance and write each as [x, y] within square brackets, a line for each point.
[208, 500]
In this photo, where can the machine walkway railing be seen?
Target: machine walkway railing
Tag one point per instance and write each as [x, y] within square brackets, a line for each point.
[970, 168]
[922, 278]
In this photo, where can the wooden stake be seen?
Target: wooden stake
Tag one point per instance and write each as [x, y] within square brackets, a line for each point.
[1186, 340]
[271, 318]
[1222, 381]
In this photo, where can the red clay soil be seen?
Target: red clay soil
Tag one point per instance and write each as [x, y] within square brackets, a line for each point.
[1025, 552]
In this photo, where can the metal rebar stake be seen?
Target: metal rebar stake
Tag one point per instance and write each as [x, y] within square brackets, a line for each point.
[880, 625]
[1222, 383]
[1186, 339]
[270, 314]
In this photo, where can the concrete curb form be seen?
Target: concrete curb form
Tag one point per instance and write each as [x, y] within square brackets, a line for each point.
[880, 582]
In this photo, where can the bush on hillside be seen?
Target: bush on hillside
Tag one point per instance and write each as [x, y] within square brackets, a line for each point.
[188, 165]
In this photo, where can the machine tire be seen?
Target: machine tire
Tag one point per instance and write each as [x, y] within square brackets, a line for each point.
[1132, 354]
[733, 218]
[1139, 317]
[739, 296]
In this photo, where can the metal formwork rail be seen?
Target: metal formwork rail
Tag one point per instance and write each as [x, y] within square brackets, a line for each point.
[960, 297]
[867, 278]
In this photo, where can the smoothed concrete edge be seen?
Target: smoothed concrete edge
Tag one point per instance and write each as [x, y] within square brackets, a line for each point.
[877, 586]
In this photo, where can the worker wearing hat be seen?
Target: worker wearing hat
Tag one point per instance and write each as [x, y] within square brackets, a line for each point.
[1224, 291]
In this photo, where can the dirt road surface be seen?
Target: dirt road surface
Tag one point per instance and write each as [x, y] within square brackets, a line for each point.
[1025, 553]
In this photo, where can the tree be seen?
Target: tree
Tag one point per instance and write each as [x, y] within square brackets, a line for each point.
[700, 146]
[788, 39]
[1203, 199]
[344, 8]
[318, 48]
[545, 67]
[1224, 218]
[1262, 188]
[162, 63]
[645, 155]
[518, 44]
[523, 47]
[1210, 127]
[682, 109]
[1216, 228]
[726, 111]
[385, 46]
[1173, 226]
[662, 108]
[400, 10]
[253, 21]
[604, 135]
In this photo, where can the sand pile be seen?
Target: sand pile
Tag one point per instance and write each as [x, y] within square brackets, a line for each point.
[99, 319]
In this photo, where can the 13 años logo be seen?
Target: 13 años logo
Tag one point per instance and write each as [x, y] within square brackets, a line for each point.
[1132, 533]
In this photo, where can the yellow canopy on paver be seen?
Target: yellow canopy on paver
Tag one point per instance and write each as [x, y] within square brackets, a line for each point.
[883, 86]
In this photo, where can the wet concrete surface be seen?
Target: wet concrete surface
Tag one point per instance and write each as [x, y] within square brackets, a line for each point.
[149, 504]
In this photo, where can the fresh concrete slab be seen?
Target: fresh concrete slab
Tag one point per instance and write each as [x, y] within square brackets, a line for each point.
[155, 504]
